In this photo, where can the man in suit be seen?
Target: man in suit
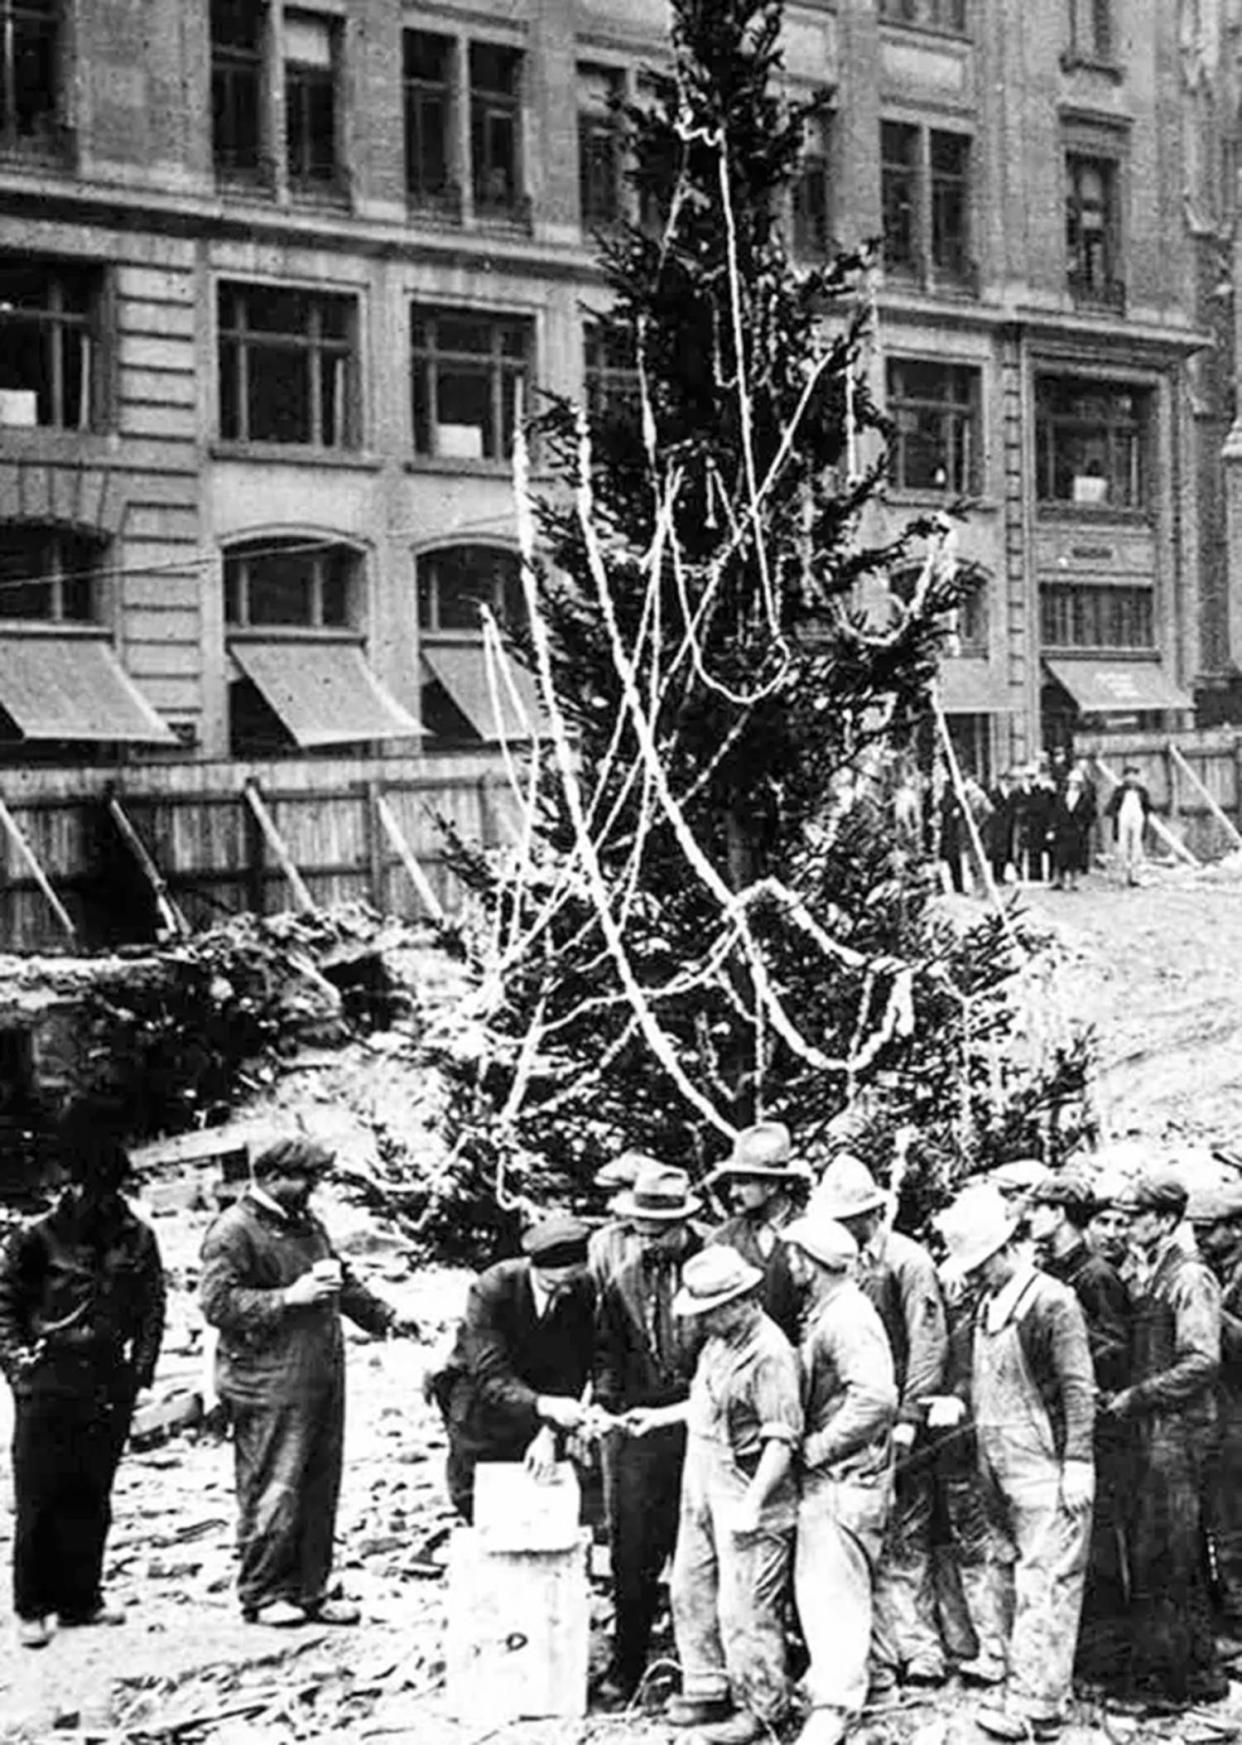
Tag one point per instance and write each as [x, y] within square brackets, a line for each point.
[513, 1387]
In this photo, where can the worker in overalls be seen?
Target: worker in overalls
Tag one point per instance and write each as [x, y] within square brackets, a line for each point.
[1033, 1390]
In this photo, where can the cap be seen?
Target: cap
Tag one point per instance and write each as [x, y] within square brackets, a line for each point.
[823, 1239]
[297, 1155]
[557, 1241]
[1159, 1190]
[714, 1276]
[846, 1189]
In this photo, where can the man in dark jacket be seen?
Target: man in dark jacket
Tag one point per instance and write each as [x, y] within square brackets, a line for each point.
[898, 1276]
[1217, 1219]
[644, 1358]
[1170, 1406]
[81, 1319]
[763, 1183]
[1129, 807]
[1061, 1209]
[1033, 1392]
[523, 1356]
[276, 1290]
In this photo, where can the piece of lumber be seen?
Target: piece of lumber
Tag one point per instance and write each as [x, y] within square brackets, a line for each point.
[172, 921]
[1213, 804]
[275, 841]
[1158, 825]
[417, 877]
[31, 860]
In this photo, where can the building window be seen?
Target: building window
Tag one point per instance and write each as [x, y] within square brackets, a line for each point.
[456, 581]
[470, 377]
[935, 413]
[30, 47]
[311, 126]
[967, 624]
[287, 366]
[290, 584]
[1090, 615]
[610, 376]
[49, 575]
[429, 79]
[811, 193]
[49, 345]
[238, 44]
[1092, 230]
[599, 146]
[1091, 31]
[925, 192]
[1089, 439]
[948, 16]
[496, 129]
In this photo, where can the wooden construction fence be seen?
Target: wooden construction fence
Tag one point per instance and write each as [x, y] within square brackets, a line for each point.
[144, 847]
[1194, 780]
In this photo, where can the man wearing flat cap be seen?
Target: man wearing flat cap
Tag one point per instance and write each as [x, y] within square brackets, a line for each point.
[613, 1242]
[275, 1288]
[850, 1399]
[899, 1277]
[1216, 1215]
[1060, 1210]
[644, 1359]
[1170, 1407]
[761, 1181]
[514, 1385]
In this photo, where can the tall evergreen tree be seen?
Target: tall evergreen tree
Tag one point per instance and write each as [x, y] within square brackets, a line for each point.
[717, 916]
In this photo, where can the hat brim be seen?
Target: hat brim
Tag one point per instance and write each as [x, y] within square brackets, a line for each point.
[685, 1304]
[801, 1234]
[626, 1206]
[956, 1269]
[841, 1211]
[785, 1172]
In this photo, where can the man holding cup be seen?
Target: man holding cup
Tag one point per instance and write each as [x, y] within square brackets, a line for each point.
[276, 1291]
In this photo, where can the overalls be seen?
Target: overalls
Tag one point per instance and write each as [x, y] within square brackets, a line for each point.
[1038, 1549]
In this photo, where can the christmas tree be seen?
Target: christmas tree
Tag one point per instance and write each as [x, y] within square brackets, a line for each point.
[712, 913]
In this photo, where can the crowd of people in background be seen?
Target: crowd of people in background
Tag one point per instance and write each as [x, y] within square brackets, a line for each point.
[1037, 824]
[1006, 1454]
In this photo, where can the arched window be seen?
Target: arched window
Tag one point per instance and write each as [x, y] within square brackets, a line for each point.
[292, 584]
[455, 581]
[460, 697]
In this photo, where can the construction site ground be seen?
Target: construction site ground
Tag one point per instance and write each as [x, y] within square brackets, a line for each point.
[1154, 969]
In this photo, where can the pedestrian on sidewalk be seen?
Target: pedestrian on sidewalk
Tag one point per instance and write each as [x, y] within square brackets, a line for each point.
[514, 1386]
[764, 1184]
[1170, 1408]
[1033, 1392]
[276, 1289]
[738, 1505]
[1129, 807]
[850, 1398]
[1061, 1210]
[81, 1320]
[899, 1278]
[644, 1359]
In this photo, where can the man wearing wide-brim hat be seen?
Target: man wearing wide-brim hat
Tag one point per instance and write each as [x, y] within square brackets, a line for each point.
[1216, 1214]
[1033, 1392]
[763, 1183]
[614, 1242]
[738, 1504]
[1170, 1407]
[850, 1395]
[644, 1359]
[899, 1277]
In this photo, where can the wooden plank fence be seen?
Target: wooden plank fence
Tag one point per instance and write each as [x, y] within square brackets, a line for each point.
[338, 821]
[1193, 778]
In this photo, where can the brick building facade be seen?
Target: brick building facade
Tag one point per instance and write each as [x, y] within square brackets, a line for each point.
[275, 279]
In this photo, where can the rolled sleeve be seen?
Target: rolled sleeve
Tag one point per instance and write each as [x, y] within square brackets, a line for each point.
[776, 1390]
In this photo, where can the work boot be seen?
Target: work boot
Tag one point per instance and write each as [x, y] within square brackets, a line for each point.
[982, 1671]
[1003, 1723]
[276, 1614]
[100, 1614]
[740, 1729]
[33, 1632]
[925, 1675]
[332, 1612]
[696, 1711]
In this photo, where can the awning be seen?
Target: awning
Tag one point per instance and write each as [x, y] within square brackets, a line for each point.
[1101, 687]
[323, 692]
[74, 687]
[462, 670]
[972, 687]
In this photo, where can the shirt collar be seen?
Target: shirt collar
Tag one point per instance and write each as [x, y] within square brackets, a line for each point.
[1001, 1306]
[541, 1294]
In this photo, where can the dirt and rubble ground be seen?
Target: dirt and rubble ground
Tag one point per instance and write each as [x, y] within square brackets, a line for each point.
[1155, 970]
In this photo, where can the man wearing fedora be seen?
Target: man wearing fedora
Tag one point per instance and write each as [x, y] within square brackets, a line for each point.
[1170, 1409]
[644, 1360]
[523, 1356]
[899, 1277]
[738, 1504]
[761, 1181]
[1033, 1391]
[850, 1395]
[613, 1242]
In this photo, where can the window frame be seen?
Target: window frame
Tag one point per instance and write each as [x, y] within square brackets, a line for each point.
[1052, 423]
[59, 536]
[598, 127]
[235, 64]
[941, 17]
[1079, 607]
[428, 590]
[243, 339]
[45, 130]
[489, 107]
[431, 357]
[301, 82]
[239, 560]
[1092, 35]
[417, 91]
[607, 385]
[88, 324]
[927, 262]
[960, 418]
[1105, 289]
